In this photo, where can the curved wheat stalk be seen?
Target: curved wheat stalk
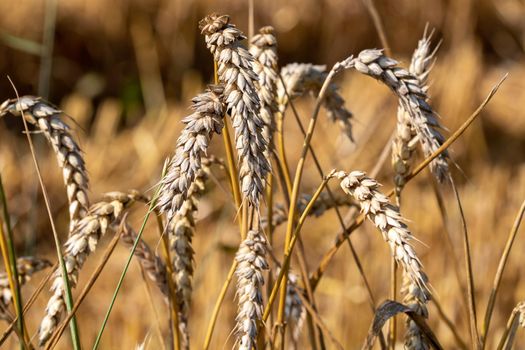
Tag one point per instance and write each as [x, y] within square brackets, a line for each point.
[236, 72]
[69, 156]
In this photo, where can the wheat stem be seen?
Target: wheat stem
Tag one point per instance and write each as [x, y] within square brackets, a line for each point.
[218, 304]
[499, 274]
[287, 255]
[8, 254]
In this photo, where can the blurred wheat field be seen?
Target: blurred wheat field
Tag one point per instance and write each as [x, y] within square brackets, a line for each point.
[125, 73]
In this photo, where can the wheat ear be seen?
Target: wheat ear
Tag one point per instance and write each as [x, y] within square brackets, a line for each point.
[294, 310]
[413, 99]
[301, 78]
[251, 264]
[386, 217]
[415, 298]
[69, 156]
[263, 47]
[406, 139]
[83, 241]
[192, 145]
[180, 232]
[236, 72]
[27, 266]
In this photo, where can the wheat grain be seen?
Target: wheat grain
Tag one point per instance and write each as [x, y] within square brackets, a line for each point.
[83, 241]
[264, 50]
[252, 262]
[301, 78]
[413, 99]
[69, 156]
[235, 71]
[192, 145]
[406, 139]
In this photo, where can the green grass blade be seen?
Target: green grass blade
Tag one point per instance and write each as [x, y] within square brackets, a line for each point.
[12, 265]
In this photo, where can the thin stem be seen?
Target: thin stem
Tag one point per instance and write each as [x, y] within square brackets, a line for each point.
[172, 291]
[46, 54]
[512, 323]
[470, 276]
[218, 304]
[499, 274]
[448, 239]
[287, 255]
[282, 159]
[370, 6]
[9, 257]
[125, 270]
[251, 25]
[451, 326]
[68, 297]
[393, 294]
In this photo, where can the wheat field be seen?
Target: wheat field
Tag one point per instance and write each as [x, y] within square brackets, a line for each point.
[262, 174]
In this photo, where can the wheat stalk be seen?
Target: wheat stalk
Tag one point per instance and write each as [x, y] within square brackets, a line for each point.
[83, 241]
[301, 78]
[412, 97]
[322, 204]
[263, 47]
[236, 72]
[69, 156]
[406, 139]
[192, 145]
[250, 280]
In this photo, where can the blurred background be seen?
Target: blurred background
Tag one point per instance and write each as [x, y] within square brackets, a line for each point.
[125, 71]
